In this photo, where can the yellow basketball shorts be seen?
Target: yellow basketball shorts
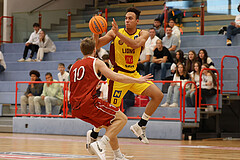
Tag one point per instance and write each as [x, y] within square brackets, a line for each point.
[117, 90]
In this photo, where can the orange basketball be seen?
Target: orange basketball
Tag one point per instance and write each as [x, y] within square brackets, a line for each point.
[98, 25]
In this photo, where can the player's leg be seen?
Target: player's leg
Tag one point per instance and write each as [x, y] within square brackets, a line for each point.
[156, 97]
[116, 150]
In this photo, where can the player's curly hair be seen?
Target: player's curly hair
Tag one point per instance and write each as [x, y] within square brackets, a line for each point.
[135, 10]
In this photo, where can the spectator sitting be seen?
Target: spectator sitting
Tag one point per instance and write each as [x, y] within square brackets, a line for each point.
[179, 59]
[233, 28]
[190, 94]
[63, 76]
[203, 58]
[180, 75]
[45, 44]
[2, 63]
[170, 41]
[33, 90]
[160, 33]
[69, 67]
[162, 59]
[107, 61]
[147, 53]
[175, 30]
[52, 95]
[101, 52]
[192, 58]
[208, 87]
[31, 44]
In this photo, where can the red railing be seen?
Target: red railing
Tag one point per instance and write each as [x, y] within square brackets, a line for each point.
[11, 34]
[238, 68]
[40, 20]
[180, 107]
[184, 94]
[69, 25]
[200, 88]
[65, 99]
[202, 19]
[165, 17]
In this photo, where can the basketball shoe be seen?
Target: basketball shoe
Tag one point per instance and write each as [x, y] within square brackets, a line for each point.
[120, 158]
[140, 132]
[99, 149]
[89, 141]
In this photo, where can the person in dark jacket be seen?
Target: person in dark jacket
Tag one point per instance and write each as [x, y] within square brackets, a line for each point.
[34, 89]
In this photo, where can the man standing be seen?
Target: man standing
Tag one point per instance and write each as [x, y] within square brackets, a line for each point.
[162, 59]
[171, 42]
[52, 95]
[87, 107]
[31, 44]
[125, 51]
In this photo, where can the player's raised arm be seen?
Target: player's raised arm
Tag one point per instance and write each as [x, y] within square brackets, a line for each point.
[103, 40]
[101, 66]
[133, 43]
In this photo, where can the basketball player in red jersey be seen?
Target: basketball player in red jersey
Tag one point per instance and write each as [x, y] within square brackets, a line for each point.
[125, 51]
[85, 104]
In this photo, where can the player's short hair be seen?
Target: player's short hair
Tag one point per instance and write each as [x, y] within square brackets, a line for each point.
[61, 64]
[135, 10]
[48, 73]
[36, 25]
[35, 72]
[87, 46]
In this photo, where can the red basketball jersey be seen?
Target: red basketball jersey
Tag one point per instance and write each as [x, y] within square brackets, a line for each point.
[83, 82]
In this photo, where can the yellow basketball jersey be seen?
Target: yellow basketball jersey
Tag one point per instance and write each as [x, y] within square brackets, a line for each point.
[122, 55]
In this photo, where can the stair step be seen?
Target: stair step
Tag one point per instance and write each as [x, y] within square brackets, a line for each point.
[6, 128]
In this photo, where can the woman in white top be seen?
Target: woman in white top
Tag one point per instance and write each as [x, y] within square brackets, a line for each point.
[208, 85]
[173, 90]
[190, 94]
[45, 44]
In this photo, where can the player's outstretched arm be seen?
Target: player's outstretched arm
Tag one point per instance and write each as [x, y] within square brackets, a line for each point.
[136, 43]
[103, 40]
[101, 66]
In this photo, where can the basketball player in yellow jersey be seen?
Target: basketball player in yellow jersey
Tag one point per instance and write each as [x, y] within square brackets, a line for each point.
[125, 51]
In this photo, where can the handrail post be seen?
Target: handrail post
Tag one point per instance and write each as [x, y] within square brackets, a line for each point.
[106, 16]
[11, 36]
[165, 17]
[16, 108]
[202, 18]
[180, 101]
[40, 20]
[11, 32]
[69, 26]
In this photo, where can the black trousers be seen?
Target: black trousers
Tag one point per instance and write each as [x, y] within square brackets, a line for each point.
[33, 48]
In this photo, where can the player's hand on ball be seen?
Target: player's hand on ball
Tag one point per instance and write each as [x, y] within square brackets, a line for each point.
[114, 26]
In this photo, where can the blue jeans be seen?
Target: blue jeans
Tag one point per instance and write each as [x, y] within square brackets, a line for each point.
[162, 66]
[190, 99]
[231, 31]
[145, 67]
[173, 91]
[2, 68]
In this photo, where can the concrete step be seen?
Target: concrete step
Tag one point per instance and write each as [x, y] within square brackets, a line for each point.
[6, 128]
[6, 120]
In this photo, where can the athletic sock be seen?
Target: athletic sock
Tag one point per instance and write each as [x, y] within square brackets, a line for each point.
[144, 120]
[104, 141]
[95, 132]
[117, 153]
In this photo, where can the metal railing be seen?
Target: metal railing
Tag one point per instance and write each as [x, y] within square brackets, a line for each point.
[238, 68]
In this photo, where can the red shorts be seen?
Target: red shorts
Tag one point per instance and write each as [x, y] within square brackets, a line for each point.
[98, 114]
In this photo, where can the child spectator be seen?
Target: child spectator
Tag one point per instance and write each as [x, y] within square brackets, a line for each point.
[45, 44]
[179, 59]
[2, 63]
[203, 58]
[180, 75]
[190, 94]
[31, 44]
[208, 86]
[33, 90]
[63, 76]
[192, 58]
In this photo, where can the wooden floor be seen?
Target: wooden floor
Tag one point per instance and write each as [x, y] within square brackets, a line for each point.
[33, 146]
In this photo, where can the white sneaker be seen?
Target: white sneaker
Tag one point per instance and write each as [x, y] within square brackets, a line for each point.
[98, 150]
[89, 141]
[209, 108]
[29, 60]
[122, 158]
[165, 105]
[173, 105]
[139, 132]
[21, 60]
